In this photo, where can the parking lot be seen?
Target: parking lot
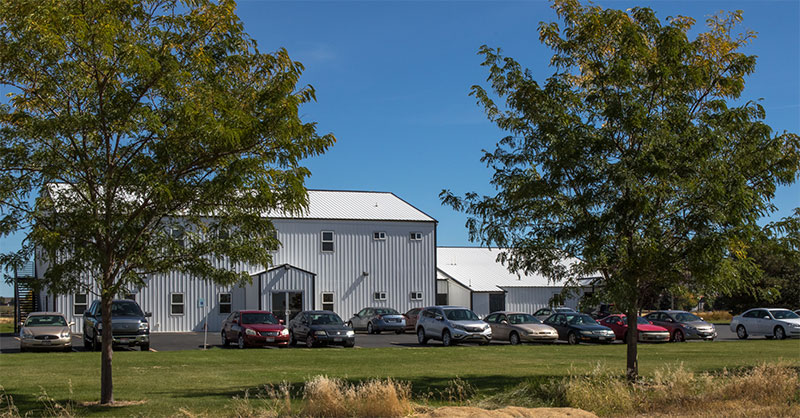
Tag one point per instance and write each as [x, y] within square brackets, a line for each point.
[168, 341]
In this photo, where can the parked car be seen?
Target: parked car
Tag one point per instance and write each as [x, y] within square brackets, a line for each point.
[129, 326]
[320, 328]
[411, 319]
[544, 313]
[375, 320]
[575, 327]
[647, 331]
[683, 325]
[450, 325]
[45, 330]
[517, 327]
[254, 328]
[777, 323]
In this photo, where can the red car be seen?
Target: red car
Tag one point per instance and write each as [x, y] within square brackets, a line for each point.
[254, 328]
[647, 331]
[411, 319]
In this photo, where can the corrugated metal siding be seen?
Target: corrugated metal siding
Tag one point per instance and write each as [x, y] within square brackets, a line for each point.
[396, 266]
[480, 303]
[531, 299]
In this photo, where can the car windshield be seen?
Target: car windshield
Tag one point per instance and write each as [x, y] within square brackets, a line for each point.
[325, 319]
[686, 317]
[784, 314]
[580, 319]
[46, 321]
[386, 311]
[125, 309]
[460, 315]
[523, 319]
[258, 318]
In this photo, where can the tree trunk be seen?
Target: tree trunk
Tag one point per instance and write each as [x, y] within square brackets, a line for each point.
[632, 372]
[106, 384]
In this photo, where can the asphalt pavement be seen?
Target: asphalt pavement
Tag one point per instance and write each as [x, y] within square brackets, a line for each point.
[175, 341]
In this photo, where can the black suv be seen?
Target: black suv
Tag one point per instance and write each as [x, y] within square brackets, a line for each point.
[129, 326]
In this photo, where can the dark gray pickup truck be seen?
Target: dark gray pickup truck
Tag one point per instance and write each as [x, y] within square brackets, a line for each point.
[128, 322]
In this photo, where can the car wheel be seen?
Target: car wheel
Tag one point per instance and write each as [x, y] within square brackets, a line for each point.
[421, 338]
[95, 343]
[779, 333]
[86, 344]
[370, 329]
[741, 332]
[22, 349]
[446, 341]
[625, 337]
[292, 341]
[224, 339]
[145, 347]
[399, 331]
[678, 336]
[350, 345]
[240, 341]
[67, 349]
[572, 338]
[310, 341]
[513, 338]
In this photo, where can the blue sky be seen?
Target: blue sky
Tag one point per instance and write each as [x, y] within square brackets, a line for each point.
[392, 82]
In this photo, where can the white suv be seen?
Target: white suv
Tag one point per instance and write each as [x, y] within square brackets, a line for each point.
[450, 325]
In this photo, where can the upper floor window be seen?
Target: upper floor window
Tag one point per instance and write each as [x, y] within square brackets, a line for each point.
[176, 304]
[416, 295]
[379, 236]
[416, 236]
[379, 295]
[327, 241]
[327, 301]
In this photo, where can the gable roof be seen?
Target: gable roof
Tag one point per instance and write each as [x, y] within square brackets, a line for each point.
[325, 204]
[478, 269]
[355, 205]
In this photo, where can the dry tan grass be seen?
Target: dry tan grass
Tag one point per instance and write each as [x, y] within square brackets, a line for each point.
[329, 397]
[717, 316]
[507, 412]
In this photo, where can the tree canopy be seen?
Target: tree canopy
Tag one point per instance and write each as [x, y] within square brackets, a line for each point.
[145, 136]
[634, 156]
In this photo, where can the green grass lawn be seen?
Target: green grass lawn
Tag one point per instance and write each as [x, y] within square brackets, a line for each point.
[6, 327]
[206, 381]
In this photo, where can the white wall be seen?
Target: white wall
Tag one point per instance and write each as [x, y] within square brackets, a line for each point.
[396, 266]
[458, 295]
[531, 299]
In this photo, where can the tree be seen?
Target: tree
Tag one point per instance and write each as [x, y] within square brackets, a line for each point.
[145, 136]
[630, 157]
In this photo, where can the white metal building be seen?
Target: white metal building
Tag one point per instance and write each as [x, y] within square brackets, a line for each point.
[472, 277]
[348, 251]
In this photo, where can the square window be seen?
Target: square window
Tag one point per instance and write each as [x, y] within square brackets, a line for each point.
[224, 303]
[379, 236]
[177, 235]
[416, 236]
[79, 304]
[327, 241]
[379, 295]
[176, 304]
[416, 295]
[327, 301]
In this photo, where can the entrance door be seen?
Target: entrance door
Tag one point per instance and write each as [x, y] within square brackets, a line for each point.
[497, 302]
[285, 305]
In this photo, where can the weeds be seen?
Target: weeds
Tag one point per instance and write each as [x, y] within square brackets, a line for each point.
[330, 397]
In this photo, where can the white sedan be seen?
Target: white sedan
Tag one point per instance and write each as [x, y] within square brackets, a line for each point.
[777, 323]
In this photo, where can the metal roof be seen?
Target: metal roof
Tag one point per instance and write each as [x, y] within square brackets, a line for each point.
[329, 204]
[479, 270]
[354, 205]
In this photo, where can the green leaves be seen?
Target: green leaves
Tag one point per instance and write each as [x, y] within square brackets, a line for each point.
[629, 157]
[144, 112]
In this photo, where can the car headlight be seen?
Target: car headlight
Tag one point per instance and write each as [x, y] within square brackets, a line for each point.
[461, 327]
[65, 333]
[26, 333]
[284, 332]
[586, 332]
[249, 331]
[99, 326]
[143, 326]
[795, 325]
[351, 333]
[321, 333]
